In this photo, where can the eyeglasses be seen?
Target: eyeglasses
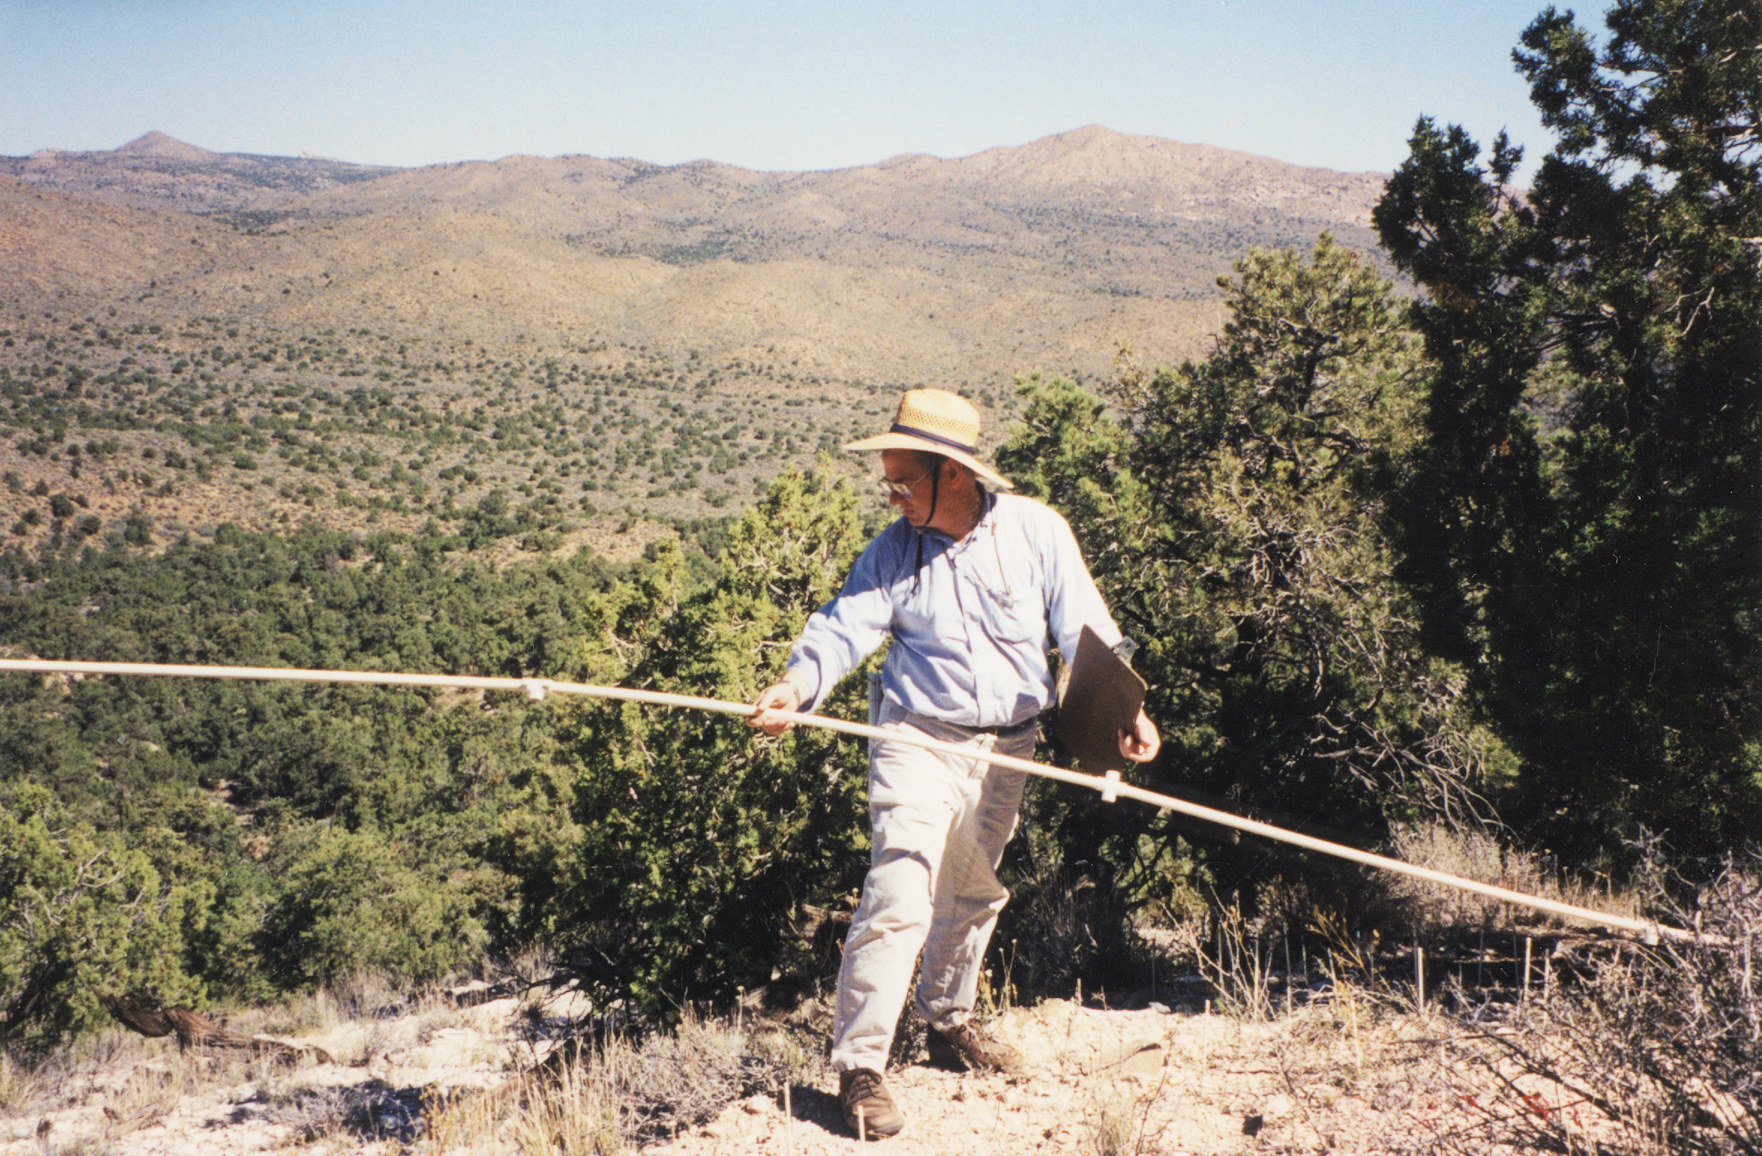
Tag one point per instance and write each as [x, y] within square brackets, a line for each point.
[901, 490]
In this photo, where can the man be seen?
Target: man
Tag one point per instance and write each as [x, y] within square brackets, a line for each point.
[972, 585]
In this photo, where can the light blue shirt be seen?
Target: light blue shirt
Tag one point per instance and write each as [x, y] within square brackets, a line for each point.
[970, 625]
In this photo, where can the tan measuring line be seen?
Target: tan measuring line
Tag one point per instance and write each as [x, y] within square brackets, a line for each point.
[1109, 785]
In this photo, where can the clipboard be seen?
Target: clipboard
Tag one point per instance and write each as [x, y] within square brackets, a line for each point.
[1098, 697]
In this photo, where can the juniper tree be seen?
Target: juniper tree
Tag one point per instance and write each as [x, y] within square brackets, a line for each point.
[1583, 524]
[1234, 516]
[683, 854]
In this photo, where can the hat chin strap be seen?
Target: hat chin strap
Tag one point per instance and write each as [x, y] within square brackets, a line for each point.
[918, 531]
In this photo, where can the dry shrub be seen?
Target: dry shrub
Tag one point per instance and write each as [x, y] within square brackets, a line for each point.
[1063, 933]
[366, 1112]
[366, 994]
[1653, 1049]
[625, 1093]
[1476, 855]
[686, 1077]
[523, 969]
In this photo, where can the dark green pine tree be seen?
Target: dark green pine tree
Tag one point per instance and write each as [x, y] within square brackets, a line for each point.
[1583, 520]
[1233, 515]
[684, 854]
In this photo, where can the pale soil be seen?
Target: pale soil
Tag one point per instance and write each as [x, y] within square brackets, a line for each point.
[1340, 1076]
[1184, 1083]
[1103, 1081]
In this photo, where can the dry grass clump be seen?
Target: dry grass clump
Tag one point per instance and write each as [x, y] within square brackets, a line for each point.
[18, 1086]
[66, 1075]
[147, 1095]
[1477, 855]
[117, 1084]
[622, 1092]
[367, 995]
[364, 1016]
[1116, 1121]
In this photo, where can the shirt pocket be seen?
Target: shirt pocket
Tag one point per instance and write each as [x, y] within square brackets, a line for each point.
[1011, 617]
[914, 609]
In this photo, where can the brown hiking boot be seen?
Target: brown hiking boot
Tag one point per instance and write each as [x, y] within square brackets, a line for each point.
[968, 1047]
[868, 1109]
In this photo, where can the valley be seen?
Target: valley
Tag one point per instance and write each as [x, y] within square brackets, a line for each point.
[540, 354]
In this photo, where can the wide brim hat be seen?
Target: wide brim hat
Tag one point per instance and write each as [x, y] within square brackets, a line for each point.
[938, 422]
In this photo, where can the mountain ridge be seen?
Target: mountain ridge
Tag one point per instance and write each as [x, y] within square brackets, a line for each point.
[154, 143]
[1046, 256]
[190, 338]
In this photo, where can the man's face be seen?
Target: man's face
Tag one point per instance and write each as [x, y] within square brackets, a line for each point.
[902, 471]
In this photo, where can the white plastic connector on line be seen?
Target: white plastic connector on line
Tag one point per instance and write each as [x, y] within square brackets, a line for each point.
[1111, 792]
[536, 688]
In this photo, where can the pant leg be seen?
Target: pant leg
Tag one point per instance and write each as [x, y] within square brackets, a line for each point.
[912, 805]
[968, 897]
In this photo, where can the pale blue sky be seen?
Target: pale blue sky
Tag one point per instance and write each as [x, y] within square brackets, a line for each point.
[770, 84]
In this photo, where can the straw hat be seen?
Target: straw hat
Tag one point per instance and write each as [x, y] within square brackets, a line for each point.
[939, 422]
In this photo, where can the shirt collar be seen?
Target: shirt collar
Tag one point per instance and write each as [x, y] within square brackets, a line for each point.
[985, 523]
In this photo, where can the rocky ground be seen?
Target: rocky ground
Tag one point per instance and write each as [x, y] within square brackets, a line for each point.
[1345, 1074]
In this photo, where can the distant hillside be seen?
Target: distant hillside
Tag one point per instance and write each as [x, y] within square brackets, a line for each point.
[1044, 256]
[156, 172]
[636, 328]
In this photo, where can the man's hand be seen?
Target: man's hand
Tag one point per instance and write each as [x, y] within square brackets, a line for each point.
[1141, 743]
[781, 695]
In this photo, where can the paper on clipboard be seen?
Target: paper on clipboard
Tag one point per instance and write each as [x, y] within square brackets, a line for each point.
[1098, 697]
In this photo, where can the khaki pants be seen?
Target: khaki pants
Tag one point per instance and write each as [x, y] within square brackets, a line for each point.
[939, 824]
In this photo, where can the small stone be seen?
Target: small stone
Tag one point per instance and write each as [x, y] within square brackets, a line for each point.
[757, 1105]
